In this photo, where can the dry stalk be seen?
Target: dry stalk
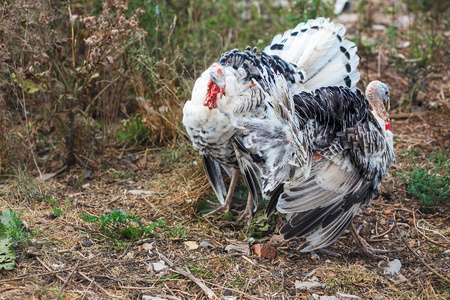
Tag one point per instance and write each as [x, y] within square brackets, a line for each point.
[447, 280]
[207, 290]
[386, 232]
[67, 270]
[50, 270]
[424, 235]
[92, 281]
[67, 279]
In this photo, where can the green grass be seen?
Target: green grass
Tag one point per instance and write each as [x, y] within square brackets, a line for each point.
[430, 182]
[178, 231]
[134, 132]
[123, 224]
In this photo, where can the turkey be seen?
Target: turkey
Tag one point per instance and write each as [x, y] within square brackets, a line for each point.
[345, 144]
[311, 55]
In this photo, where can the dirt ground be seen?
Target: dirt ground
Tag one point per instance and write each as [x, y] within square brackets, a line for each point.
[74, 259]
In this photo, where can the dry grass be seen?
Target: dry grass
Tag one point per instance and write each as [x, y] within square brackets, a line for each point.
[123, 268]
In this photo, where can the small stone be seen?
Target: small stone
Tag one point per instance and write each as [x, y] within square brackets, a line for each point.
[276, 239]
[33, 252]
[377, 297]
[206, 245]
[191, 245]
[244, 250]
[87, 243]
[309, 285]
[342, 296]
[328, 298]
[251, 240]
[146, 246]
[158, 266]
[265, 250]
[87, 174]
[276, 273]
[228, 293]
[391, 267]
[378, 27]
[140, 192]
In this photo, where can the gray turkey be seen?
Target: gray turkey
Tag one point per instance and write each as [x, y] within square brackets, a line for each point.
[325, 154]
[311, 55]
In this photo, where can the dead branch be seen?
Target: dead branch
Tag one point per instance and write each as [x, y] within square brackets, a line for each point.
[92, 281]
[386, 232]
[48, 268]
[189, 275]
[51, 272]
[447, 280]
[67, 279]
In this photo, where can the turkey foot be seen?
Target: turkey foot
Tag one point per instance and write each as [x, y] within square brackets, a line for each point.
[227, 205]
[248, 212]
[362, 244]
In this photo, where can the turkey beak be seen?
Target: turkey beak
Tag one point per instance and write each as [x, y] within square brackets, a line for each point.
[387, 103]
[222, 91]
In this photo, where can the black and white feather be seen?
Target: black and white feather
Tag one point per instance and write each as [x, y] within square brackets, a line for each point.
[348, 147]
[240, 88]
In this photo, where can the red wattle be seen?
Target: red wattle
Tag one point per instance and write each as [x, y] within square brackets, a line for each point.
[388, 126]
[211, 95]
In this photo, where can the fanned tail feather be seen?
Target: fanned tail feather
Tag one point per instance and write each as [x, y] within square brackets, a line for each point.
[319, 53]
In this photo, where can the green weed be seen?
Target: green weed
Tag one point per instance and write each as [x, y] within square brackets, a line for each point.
[57, 212]
[14, 226]
[178, 231]
[201, 271]
[430, 183]
[50, 200]
[125, 224]
[134, 131]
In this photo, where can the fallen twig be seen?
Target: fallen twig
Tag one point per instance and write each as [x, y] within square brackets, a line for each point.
[425, 236]
[50, 272]
[67, 279]
[420, 258]
[149, 288]
[233, 290]
[92, 281]
[384, 233]
[188, 274]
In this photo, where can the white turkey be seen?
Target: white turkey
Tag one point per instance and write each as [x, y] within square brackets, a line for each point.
[325, 154]
[311, 55]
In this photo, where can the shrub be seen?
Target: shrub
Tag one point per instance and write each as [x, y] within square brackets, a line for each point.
[430, 183]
